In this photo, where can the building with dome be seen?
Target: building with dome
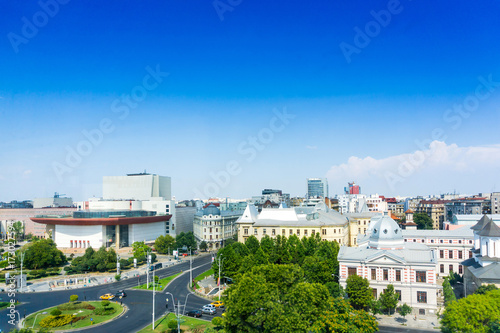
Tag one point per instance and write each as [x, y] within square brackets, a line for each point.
[215, 226]
[384, 257]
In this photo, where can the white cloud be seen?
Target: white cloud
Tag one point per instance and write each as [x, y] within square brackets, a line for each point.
[440, 168]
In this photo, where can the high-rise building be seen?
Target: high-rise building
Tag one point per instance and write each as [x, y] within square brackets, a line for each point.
[317, 187]
[352, 189]
[495, 203]
[139, 186]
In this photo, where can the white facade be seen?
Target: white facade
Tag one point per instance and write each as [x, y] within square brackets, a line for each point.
[52, 202]
[136, 187]
[79, 236]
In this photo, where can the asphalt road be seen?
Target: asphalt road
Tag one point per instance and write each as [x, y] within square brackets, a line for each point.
[139, 302]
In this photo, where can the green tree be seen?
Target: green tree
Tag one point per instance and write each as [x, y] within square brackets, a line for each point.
[186, 239]
[42, 254]
[56, 312]
[203, 246]
[164, 243]
[405, 310]
[473, 313]
[217, 321]
[449, 294]
[252, 244]
[389, 299]
[335, 289]
[359, 292]
[73, 298]
[485, 288]
[18, 229]
[140, 250]
[105, 304]
[341, 317]
[423, 221]
[268, 294]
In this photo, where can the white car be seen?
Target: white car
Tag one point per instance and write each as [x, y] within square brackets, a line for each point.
[209, 308]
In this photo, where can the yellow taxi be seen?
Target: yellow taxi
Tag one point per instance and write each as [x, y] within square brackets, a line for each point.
[107, 296]
[218, 304]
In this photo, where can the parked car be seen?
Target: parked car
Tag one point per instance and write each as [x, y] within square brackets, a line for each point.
[121, 294]
[107, 296]
[209, 309]
[218, 304]
[194, 313]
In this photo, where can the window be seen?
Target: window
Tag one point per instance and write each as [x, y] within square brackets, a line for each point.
[274, 232]
[398, 292]
[451, 268]
[470, 254]
[359, 230]
[421, 312]
[298, 232]
[255, 231]
[291, 232]
[283, 232]
[324, 231]
[398, 275]
[441, 241]
[441, 254]
[386, 275]
[334, 231]
[210, 229]
[450, 254]
[432, 240]
[421, 276]
[264, 231]
[305, 232]
[374, 292]
[460, 241]
[245, 231]
[313, 232]
[459, 254]
[421, 296]
[374, 273]
[441, 268]
[460, 269]
[216, 229]
[351, 271]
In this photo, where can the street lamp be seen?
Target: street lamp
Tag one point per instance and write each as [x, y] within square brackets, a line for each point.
[219, 274]
[178, 315]
[37, 316]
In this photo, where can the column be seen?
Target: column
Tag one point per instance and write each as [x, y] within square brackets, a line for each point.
[117, 231]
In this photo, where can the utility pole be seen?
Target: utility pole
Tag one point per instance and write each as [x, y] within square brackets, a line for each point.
[178, 316]
[22, 261]
[147, 269]
[153, 325]
[190, 268]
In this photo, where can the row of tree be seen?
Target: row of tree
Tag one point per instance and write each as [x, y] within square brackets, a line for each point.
[317, 258]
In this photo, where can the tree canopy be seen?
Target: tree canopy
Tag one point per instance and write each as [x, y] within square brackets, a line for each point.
[341, 317]
[274, 298]
[186, 239]
[423, 221]
[389, 299]
[474, 313]
[164, 243]
[359, 292]
[43, 254]
[93, 261]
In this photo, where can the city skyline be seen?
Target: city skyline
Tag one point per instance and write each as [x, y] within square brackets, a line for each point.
[400, 97]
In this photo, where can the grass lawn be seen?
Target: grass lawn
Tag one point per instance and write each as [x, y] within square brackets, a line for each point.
[187, 324]
[200, 277]
[84, 322]
[161, 283]
[3, 305]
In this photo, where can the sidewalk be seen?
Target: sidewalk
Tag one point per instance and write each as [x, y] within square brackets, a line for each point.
[62, 282]
[427, 322]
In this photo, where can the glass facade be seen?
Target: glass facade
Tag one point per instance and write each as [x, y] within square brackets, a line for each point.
[89, 214]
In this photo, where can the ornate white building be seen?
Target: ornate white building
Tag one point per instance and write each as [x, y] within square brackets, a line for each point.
[383, 257]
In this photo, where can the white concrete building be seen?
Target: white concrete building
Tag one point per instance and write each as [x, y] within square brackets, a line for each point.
[141, 186]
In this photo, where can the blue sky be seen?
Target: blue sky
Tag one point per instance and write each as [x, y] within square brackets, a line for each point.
[357, 118]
